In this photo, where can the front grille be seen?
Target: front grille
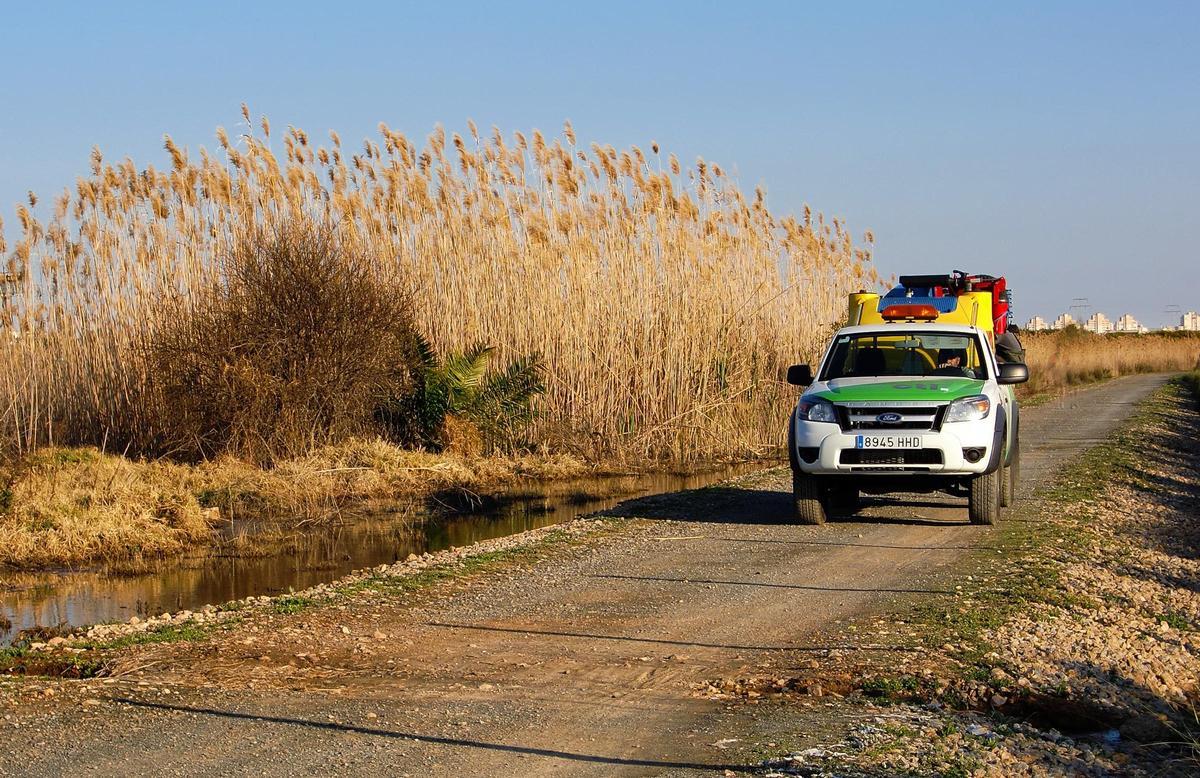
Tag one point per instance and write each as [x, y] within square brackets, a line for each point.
[891, 456]
[853, 416]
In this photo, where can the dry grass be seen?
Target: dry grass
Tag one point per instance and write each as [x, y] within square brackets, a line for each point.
[68, 506]
[663, 301]
[1061, 360]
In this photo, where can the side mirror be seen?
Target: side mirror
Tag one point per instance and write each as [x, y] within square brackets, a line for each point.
[799, 375]
[1013, 373]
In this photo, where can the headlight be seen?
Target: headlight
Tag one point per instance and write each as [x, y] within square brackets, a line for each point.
[816, 410]
[969, 409]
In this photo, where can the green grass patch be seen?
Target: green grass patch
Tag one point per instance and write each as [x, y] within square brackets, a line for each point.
[169, 633]
[1177, 620]
[1190, 382]
[292, 603]
[11, 654]
[891, 688]
[950, 764]
[19, 659]
[16, 660]
[403, 584]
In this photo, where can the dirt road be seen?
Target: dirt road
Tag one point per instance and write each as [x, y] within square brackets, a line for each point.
[585, 663]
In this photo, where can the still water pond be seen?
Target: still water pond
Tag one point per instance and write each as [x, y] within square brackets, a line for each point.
[307, 556]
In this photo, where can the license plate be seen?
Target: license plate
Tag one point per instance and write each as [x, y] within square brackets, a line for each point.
[887, 441]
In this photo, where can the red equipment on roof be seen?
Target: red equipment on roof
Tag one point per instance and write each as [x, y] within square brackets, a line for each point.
[954, 284]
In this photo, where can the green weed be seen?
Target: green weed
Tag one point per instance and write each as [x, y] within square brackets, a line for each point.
[292, 604]
[891, 688]
[1176, 620]
[18, 660]
[170, 633]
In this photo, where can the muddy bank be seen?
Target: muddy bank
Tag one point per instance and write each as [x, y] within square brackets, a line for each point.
[67, 507]
[264, 558]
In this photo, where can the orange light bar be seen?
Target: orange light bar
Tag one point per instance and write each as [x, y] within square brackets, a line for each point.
[909, 312]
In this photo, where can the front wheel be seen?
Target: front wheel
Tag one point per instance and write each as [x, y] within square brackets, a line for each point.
[984, 505]
[806, 498]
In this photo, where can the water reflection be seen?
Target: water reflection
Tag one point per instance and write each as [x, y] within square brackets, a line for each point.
[259, 559]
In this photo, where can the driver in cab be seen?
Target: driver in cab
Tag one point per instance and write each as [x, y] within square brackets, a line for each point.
[951, 361]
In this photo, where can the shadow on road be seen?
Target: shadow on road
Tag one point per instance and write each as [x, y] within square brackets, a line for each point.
[442, 741]
[659, 641]
[906, 521]
[769, 585]
[720, 504]
[733, 505]
[856, 545]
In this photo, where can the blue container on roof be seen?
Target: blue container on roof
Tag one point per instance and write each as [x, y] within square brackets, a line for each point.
[919, 296]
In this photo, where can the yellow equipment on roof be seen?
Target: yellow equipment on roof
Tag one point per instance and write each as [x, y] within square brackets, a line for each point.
[973, 309]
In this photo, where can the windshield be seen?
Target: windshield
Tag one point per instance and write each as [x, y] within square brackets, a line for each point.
[905, 354]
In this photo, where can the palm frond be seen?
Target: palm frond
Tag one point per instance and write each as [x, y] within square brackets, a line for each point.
[426, 354]
[512, 389]
[464, 375]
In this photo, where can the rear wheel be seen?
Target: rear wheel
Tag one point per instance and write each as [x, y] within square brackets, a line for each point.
[1012, 477]
[806, 498]
[984, 505]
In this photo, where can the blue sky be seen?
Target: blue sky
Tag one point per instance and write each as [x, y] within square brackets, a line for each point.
[1056, 143]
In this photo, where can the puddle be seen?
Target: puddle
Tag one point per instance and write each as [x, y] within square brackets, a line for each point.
[258, 559]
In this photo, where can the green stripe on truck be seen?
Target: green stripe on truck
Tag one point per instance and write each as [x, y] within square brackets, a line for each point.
[923, 389]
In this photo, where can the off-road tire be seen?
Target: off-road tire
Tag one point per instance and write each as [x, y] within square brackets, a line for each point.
[1012, 477]
[984, 505]
[842, 500]
[806, 498]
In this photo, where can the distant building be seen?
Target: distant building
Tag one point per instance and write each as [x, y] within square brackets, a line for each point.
[1036, 323]
[1190, 321]
[1099, 324]
[1063, 321]
[1128, 324]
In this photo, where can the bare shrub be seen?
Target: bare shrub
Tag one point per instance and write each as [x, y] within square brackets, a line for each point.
[292, 347]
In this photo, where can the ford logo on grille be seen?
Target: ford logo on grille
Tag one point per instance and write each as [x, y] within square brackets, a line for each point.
[889, 418]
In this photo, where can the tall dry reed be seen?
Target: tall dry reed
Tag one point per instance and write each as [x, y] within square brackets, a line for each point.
[663, 301]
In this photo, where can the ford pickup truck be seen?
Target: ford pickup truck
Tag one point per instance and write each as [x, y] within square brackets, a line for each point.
[910, 398]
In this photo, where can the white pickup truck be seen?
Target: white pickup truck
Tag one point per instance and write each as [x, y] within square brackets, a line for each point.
[905, 406]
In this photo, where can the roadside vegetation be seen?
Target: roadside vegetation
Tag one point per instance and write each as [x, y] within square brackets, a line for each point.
[1064, 359]
[242, 330]
[661, 300]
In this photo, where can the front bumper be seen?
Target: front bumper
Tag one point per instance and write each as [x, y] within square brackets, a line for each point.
[828, 442]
